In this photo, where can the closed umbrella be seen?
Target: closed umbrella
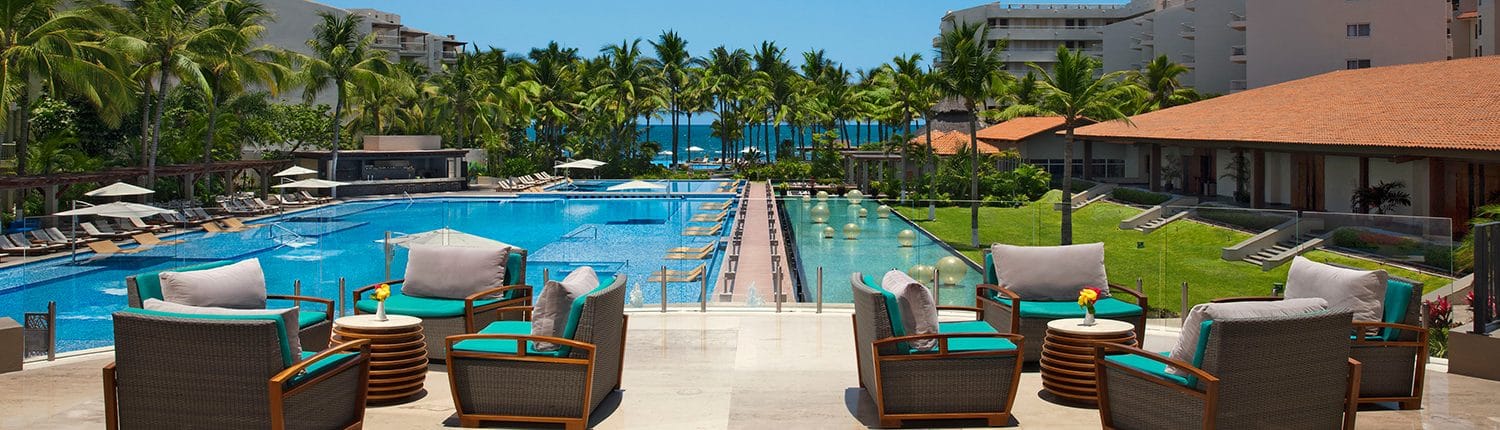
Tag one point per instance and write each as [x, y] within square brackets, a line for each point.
[119, 189]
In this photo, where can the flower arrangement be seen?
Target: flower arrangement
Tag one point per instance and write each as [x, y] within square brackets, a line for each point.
[381, 293]
[1086, 299]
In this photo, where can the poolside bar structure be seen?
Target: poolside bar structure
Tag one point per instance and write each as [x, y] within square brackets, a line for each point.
[392, 165]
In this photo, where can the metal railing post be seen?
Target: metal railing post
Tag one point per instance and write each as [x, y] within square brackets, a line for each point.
[388, 255]
[1184, 308]
[297, 287]
[820, 289]
[343, 298]
[937, 286]
[51, 331]
[703, 296]
[664, 289]
[776, 289]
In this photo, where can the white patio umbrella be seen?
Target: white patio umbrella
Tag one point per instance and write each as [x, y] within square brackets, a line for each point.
[117, 210]
[311, 184]
[119, 189]
[580, 164]
[694, 149]
[637, 185]
[295, 171]
[665, 153]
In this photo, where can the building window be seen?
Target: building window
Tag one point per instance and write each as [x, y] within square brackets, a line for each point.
[999, 22]
[1358, 30]
[1357, 64]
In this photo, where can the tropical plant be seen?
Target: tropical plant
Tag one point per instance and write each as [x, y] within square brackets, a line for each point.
[1160, 80]
[675, 64]
[1074, 90]
[233, 62]
[342, 59]
[969, 70]
[1384, 197]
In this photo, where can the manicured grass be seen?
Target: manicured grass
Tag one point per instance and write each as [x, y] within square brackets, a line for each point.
[1183, 251]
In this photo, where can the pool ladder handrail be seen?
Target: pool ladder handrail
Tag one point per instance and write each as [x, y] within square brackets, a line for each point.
[278, 238]
[576, 234]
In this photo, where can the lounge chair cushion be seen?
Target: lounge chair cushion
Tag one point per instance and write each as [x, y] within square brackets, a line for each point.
[971, 344]
[918, 310]
[451, 272]
[289, 319]
[1108, 307]
[1397, 298]
[319, 367]
[308, 319]
[1193, 335]
[1359, 291]
[1150, 367]
[495, 346]
[421, 307]
[1050, 273]
[240, 285]
[554, 304]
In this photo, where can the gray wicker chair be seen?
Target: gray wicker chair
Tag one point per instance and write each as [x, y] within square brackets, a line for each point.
[497, 375]
[999, 303]
[1289, 372]
[208, 372]
[443, 317]
[1394, 361]
[316, 328]
[973, 374]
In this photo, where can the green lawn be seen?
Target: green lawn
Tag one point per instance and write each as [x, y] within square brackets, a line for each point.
[1183, 251]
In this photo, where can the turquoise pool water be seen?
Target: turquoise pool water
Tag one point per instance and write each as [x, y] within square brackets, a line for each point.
[629, 236]
[602, 186]
[875, 252]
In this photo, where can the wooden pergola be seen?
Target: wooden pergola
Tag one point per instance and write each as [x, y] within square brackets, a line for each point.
[52, 186]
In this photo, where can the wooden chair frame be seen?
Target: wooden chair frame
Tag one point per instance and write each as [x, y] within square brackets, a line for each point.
[1015, 315]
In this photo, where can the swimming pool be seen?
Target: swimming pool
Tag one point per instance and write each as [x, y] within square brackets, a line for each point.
[629, 236]
[602, 186]
[875, 252]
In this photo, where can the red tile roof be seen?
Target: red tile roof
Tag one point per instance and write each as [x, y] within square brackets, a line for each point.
[1451, 104]
[1019, 129]
[950, 142]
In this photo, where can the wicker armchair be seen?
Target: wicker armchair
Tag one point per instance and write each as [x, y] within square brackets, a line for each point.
[446, 317]
[1394, 360]
[498, 375]
[216, 372]
[315, 328]
[1281, 372]
[974, 372]
[1000, 303]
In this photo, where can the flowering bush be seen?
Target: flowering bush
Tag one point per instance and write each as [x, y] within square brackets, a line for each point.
[1439, 319]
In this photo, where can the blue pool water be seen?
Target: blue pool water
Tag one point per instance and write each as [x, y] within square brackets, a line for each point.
[602, 186]
[615, 236]
[875, 252]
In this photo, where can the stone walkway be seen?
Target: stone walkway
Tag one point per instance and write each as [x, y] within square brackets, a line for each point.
[754, 268]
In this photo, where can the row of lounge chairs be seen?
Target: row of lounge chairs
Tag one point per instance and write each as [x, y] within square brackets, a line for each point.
[247, 206]
[523, 183]
[99, 235]
[301, 198]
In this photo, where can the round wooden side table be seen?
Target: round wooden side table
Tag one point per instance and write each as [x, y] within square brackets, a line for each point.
[398, 354]
[1068, 355]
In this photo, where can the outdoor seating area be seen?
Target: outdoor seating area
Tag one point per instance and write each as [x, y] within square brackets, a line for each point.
[532, 182]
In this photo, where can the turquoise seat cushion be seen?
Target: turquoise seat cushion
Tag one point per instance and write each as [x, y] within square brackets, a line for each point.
[420, 307]
[286, 348]
[989, 270]
[1150, 367]
[1397, 298]
[308, 319]
[971, 344]
[498, 346]
[148, 285]
[320, 367]
[1108, 307]
[515, 263]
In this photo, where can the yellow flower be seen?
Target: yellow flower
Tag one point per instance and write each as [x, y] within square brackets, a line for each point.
[382, 292]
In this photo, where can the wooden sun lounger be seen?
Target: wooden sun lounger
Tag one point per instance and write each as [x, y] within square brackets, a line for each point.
[150, 239]
[710, 217]
[105, 248]
[20, 240]
[679, 275]
[93, 231]
[121, 228]
[693, 250]
[58, 235]
[689, 255]
[138, 224]
[22, 248]
[714, 206]
[235, 224]
[703, 231]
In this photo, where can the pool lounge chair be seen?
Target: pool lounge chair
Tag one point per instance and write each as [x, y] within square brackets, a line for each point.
[20, 240]
[707, 247]
[678, 275]
[235, 224]
[23, 248]
[715, 206]
[1275, 372]
[59, 237]
[718, 217]
[447, 317]
[138, 224]
[704, 231]
[150, 239]
[176, 370]
[109, 228]
[176, 218]
[973, 374]
[105, 248]
[497, 375]
[212, 227]
[203, 215]
[94, 231]
[262, 203]
[315, 326]
[290, 200]
[689, 255]
[999, 302]
[309, 197]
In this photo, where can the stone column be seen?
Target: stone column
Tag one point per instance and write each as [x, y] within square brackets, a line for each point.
[1155, 167]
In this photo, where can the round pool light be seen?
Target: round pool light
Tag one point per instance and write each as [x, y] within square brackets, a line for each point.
[851, 231]
[806, 200]
[883, 212]
[951, 270]
[827, 232]
[822, 196]
[921, 272]
[855, 197]
[864, 213]
[819, 213]
[906, 238]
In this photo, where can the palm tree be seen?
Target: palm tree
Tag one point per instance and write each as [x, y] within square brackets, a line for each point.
[1384, 197]
[341, 57]
[232, 64]
[909, 83]
[969, 70]
[674, 62]
[1073, 90]
[1159, 78]
[555, 71]
[626, 88]
[171, 30]
[52, 52]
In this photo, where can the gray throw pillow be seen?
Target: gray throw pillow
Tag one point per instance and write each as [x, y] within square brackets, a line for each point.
[1050, 273]
[550, 313]
[240, 285]
[1187, 342]
[1359, 291]
[917, 307]
[451, 272]
[288, 318]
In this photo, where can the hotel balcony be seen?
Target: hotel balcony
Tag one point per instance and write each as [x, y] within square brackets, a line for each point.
[1017, 32]
[1237, 54]
[1190, 61]
[413, 48]
[1147, 39]
[387, 42]
[1037, 55]
[450, 57]
[1188, 32]
[1237, 21]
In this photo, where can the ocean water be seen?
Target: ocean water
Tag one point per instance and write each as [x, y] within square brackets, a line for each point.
[701, 135]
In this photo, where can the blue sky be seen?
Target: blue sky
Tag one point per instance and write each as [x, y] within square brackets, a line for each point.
[860, 34]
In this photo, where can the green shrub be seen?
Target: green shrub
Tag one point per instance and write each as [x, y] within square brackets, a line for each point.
[1250, 220]
[1139, 196]
[1348, 238]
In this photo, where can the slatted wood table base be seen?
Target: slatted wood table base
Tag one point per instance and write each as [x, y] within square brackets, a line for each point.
[1067, 361]
[398, 356]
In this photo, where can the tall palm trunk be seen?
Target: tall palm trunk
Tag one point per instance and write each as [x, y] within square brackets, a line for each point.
[931, 204]
[161, 104]
[905, 150]
[1067, 188]
[146, 97]
[338, 111]
[674, 129]
[974, 179]
[208, 143]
